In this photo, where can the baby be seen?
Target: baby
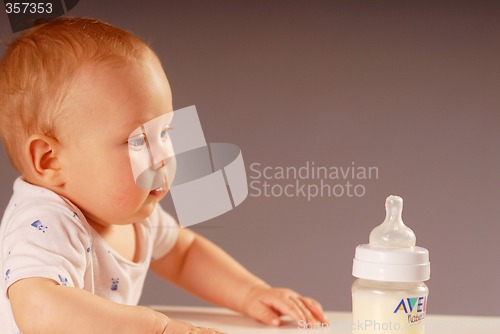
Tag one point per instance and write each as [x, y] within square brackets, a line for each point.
[78, 234]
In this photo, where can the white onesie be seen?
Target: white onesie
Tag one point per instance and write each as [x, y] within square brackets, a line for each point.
[44, 235]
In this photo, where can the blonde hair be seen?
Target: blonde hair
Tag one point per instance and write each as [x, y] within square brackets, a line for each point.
[39, 67]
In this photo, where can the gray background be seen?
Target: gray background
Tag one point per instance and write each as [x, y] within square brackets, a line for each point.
[411, 87]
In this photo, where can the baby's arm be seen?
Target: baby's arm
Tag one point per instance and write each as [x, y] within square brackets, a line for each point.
[200, 267]
[42, 306]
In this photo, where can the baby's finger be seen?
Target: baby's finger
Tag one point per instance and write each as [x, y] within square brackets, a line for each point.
[266, 312]
[306, 313]
[203, 330]
[315, 308]
[288, 307]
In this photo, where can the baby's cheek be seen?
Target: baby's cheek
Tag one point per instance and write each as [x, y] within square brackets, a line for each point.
[127, 194]
[122, 193]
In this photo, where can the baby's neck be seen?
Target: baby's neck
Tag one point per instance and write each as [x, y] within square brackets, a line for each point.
[121, 238]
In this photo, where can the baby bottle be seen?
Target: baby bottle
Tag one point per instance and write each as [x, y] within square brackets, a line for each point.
[389, 294]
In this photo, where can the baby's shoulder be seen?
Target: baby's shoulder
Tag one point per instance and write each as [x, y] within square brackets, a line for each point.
[40, 208]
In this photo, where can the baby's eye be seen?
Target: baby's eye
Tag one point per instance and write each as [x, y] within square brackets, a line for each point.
[137, 142]
[164, 133]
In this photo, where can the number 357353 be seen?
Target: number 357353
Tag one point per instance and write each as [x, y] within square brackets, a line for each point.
[28, 7]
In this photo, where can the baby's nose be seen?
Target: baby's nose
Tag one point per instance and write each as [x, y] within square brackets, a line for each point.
[157, 164]
[161, 153]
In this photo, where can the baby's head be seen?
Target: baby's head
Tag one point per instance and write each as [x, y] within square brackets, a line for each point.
[72, 91]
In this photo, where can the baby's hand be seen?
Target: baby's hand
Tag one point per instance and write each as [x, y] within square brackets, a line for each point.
[268, 304]
[180, 327]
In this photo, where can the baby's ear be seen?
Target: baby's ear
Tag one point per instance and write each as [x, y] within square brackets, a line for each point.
[42, 159]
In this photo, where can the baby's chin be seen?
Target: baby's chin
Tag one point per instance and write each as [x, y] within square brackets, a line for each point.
[153, 198]
[137, 215]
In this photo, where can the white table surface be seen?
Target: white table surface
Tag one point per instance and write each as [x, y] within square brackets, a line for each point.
[340, 322]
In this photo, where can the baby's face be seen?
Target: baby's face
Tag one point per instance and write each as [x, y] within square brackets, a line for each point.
[110, 105]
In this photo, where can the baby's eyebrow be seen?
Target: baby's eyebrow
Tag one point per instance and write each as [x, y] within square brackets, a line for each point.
[137, 130]
[132, 125]
[137, 123]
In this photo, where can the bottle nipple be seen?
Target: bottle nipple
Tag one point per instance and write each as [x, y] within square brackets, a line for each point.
[393, 233]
